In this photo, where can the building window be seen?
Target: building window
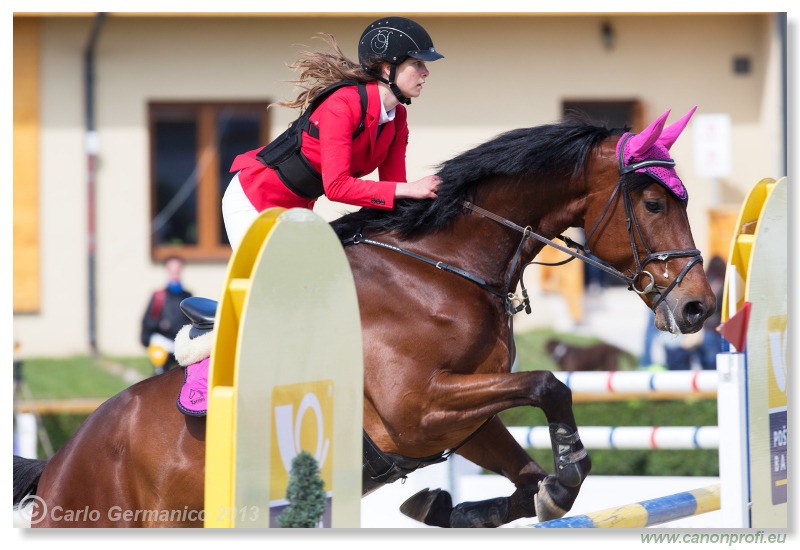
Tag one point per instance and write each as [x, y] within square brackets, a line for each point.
[192, 148]
[612, 113]
[620, 113]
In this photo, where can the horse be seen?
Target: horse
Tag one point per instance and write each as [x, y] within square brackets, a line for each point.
[438, 282]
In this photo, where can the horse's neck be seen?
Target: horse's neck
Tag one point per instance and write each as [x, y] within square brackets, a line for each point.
[546, 207]
[483, 246]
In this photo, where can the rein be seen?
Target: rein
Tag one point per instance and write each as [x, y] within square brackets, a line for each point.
[632, 225]
[514, 304]
[508, 297]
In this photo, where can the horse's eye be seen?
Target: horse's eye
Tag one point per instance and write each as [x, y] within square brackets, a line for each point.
[653, 206]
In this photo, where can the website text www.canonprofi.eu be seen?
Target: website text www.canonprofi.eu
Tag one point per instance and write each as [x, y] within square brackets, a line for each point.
[729, 539]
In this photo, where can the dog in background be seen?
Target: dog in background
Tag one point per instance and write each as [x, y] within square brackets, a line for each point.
[599, 357]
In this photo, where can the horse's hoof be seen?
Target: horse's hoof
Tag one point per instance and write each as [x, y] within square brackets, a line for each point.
[429, 507]
[546, 507]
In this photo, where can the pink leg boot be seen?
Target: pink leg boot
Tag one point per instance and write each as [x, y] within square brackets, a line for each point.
[193, 398]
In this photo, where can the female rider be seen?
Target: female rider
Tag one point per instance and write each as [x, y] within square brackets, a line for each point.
[392, 53]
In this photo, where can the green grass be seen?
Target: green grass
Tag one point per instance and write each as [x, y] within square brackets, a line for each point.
[140, 364]
[75, 377]
[78, 376]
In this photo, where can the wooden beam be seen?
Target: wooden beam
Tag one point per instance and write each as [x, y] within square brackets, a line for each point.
[85, 405]
[27, 253]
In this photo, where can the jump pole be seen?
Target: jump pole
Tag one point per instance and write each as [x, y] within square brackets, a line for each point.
[643, 383]
[606, 386]
[633, 385]
[626, 437]
[286, 374]
[646, 513]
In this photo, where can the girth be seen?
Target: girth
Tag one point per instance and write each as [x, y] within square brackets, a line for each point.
[388, 467]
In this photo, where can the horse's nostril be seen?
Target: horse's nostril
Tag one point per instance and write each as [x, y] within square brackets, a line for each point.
[694, 312]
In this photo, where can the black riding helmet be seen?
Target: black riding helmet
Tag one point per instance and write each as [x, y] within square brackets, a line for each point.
[394, 39]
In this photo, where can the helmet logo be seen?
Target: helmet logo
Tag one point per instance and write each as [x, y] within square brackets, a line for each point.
[380, 42]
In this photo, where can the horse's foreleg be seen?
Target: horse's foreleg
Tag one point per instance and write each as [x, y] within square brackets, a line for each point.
[470, 397]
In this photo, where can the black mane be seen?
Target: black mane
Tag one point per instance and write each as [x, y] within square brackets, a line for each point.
[558, 150]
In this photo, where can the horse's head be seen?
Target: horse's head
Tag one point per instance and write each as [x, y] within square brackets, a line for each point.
[643, 229]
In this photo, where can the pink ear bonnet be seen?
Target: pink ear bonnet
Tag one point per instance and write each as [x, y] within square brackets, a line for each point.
[653, 144]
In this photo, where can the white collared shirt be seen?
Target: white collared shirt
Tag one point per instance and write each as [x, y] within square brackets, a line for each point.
[386, 117]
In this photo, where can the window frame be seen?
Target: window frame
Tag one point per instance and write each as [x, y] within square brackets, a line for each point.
[554, 278]
[634, 105]
[209, 247]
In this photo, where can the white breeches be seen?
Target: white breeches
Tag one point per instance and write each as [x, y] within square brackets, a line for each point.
[237, 212]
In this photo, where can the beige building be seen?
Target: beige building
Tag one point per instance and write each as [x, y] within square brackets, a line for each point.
[163, 82]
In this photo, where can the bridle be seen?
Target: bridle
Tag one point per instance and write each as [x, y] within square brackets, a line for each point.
[630, 216]
[514, 304]
[583, 253]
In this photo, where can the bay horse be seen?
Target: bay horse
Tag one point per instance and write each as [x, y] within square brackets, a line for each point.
[437, 284]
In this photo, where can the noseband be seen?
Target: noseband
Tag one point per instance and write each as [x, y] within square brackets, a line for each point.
[583, 253]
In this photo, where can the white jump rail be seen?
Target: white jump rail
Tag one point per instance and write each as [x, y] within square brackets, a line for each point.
[640, 382]
[626, 437]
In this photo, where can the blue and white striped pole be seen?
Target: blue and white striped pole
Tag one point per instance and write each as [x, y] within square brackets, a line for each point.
[626, 437]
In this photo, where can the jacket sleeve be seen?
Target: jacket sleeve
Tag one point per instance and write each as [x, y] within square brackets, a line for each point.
[338, 118]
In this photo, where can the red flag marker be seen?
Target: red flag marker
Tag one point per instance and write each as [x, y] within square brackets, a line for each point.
[734, 330]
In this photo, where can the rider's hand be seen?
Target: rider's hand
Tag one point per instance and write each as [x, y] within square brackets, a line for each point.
[424, 188]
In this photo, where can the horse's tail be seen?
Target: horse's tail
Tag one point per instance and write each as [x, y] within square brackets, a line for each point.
[27, 472]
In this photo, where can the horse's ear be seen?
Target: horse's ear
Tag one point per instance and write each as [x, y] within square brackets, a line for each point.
[642, 141]
[671, 133]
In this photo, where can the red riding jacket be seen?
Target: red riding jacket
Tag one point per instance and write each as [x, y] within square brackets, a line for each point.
[340, 159]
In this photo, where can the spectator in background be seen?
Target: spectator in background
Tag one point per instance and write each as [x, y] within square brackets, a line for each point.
[682, 351]
[712, 340]
[651, 338]
[163, 318]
